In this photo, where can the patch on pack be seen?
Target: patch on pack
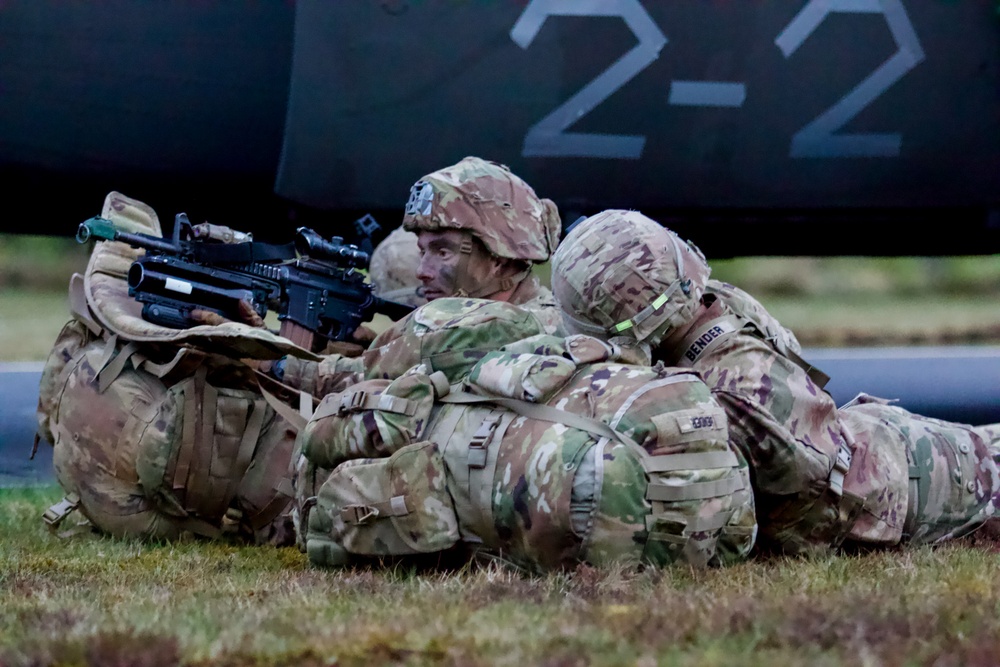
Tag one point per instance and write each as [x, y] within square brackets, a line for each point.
[687, 425]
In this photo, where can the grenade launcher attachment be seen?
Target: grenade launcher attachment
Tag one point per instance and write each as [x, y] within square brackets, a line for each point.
[315, 285]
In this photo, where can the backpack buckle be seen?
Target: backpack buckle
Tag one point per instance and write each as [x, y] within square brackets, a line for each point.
[481, 440]
[353, 402]
[357, 515]
[54, 515]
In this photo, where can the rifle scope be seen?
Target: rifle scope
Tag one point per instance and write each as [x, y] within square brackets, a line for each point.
[309, 243]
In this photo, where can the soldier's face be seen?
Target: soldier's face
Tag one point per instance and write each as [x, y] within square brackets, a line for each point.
[440, 255]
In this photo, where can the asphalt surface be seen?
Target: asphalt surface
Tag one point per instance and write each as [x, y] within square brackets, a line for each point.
[18, 399]
[954, 383]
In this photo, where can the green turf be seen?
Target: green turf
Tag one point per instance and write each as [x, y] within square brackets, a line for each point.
[91, 600]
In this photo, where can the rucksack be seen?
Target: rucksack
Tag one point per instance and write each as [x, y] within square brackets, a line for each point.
[156, 431]
[548, 454]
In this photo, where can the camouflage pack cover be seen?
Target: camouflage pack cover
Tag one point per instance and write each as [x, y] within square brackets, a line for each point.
[156, 456]
[619, 273]
[537, 492]
[210, 454]
[491, 203]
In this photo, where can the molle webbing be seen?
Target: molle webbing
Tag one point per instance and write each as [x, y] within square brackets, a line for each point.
[694, 491]
[544, 413]
[357, 401]
[210, 465]
[474, 455]
[661, 463]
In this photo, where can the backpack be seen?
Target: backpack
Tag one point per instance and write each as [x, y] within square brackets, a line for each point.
[159, 432]
[549, 453]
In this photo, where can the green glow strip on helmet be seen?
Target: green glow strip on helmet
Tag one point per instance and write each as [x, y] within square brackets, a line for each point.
[646, 312]
[658, 302]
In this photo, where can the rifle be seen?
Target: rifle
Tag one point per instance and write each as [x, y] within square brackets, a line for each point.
[314, 285]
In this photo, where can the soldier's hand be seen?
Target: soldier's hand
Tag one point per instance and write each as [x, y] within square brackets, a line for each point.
[207, 317]
[363, 336]
[248, 316]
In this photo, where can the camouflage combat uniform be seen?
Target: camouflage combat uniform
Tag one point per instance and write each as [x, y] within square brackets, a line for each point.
[491, 204]
[870, 473]
[441, 333]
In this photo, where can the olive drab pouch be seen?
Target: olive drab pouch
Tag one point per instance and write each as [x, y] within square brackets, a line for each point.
[151, 456]
[371, 419]
[393, 506]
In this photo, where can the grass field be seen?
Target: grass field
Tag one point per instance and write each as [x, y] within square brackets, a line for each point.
[88, 600]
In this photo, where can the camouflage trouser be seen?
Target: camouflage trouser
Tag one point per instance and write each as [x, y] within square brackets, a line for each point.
[954, 483]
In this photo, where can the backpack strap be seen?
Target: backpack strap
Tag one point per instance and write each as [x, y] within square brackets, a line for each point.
[544, 413]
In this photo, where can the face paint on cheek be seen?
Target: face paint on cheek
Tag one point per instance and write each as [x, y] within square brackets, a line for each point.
[446, 280]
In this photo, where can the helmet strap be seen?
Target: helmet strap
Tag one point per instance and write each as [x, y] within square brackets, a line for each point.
[462, 277]
[461, 268]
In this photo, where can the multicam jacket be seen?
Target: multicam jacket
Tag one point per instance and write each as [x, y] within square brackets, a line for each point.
[531, 296]
[531, 311]
[785, 426]
[870, 473]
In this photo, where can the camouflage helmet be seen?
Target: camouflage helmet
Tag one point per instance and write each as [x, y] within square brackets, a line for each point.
[491, 203]
[618, 273]
[393, 268]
